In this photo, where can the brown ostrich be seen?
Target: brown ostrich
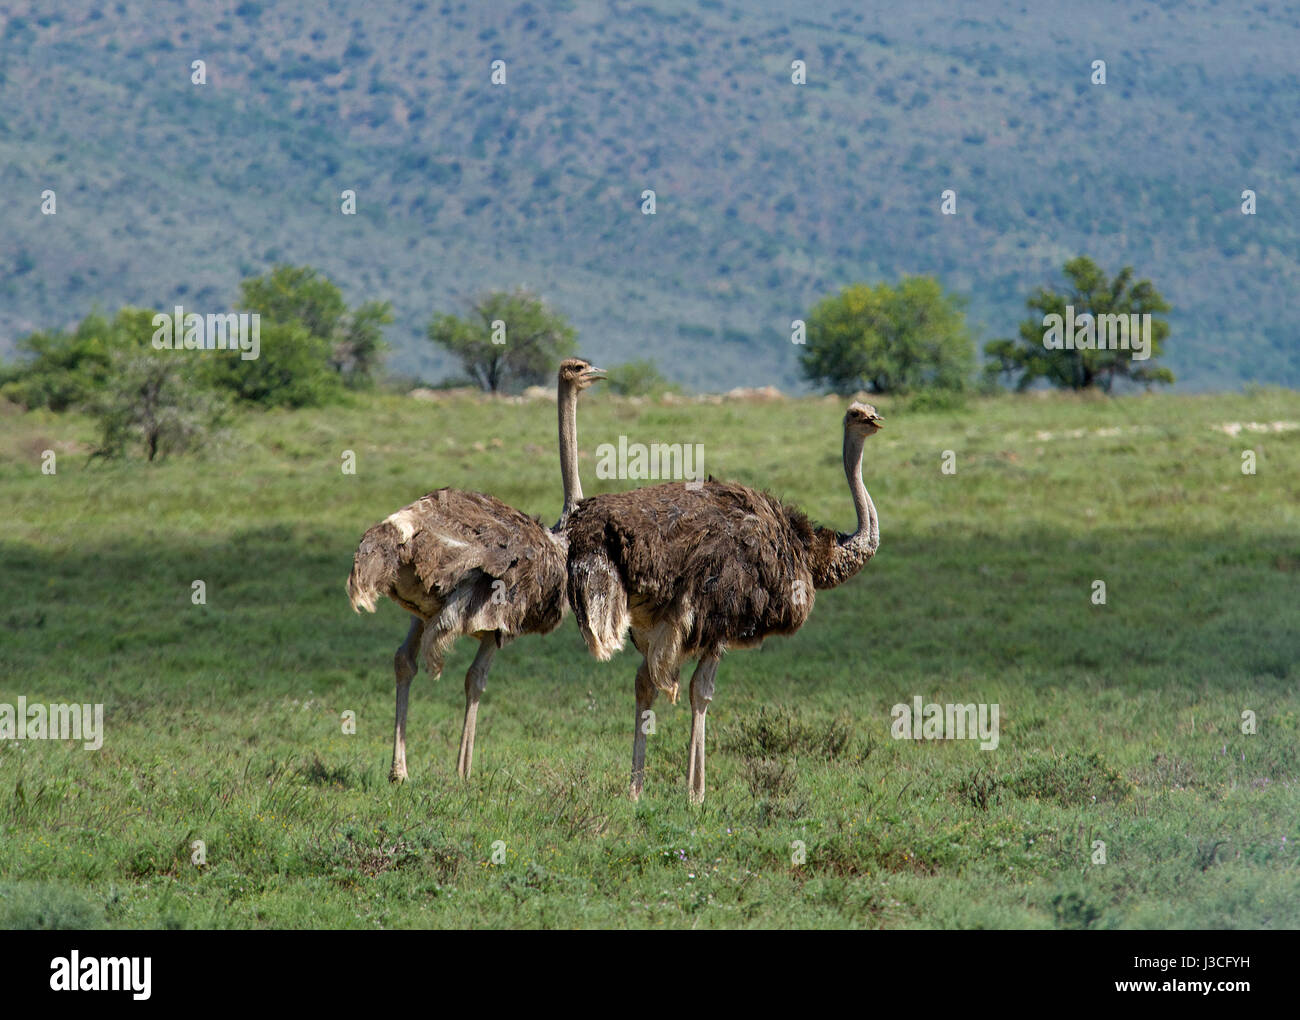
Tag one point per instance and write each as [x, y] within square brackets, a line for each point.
[465, 563]
[695, 572]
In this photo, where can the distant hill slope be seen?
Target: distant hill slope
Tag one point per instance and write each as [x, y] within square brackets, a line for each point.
[769, 195]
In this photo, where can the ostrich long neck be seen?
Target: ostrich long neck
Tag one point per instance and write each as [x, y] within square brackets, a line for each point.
[852, 552]
[567, 402]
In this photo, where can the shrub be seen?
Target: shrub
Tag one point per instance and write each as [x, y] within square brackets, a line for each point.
[889, 339]
[351, 341]
[639, 379]
[67, 369]
[292, 369]
[154, 400]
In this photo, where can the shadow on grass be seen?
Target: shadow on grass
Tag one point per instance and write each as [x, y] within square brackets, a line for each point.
[1179, 609]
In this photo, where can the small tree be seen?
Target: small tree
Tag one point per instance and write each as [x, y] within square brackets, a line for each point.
[889, 339]
[360, 347]
[509, 339]
[1108, 305]
[353, 339]
[154, 400]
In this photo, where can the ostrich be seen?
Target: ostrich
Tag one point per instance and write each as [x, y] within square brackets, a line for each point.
[695, 572]
[464, 563]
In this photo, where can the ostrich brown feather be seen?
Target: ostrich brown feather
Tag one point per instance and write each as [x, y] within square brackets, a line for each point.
[464, 563]
[691, 572]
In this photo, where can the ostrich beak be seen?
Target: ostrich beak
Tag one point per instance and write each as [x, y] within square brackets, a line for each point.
[594, 374]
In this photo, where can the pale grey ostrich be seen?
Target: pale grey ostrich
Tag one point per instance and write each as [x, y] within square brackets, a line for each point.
[465, 563]
[695, 572]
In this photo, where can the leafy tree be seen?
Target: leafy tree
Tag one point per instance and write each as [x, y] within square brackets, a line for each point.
[353, 339]
[509, 339]
[292, 369]
[66, 369]
[1089, 292]
[295, 293]
[156, 400]
[889, 339]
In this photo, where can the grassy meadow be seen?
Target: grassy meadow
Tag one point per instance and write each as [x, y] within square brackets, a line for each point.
[1120, 723]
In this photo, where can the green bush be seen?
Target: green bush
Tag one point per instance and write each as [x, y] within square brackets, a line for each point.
[889, 339]
[639, 379]
[67, 369]
[936, 400]
[351, 340]
[292, 369]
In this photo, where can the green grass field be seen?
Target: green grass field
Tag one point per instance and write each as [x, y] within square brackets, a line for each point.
[1120, 723]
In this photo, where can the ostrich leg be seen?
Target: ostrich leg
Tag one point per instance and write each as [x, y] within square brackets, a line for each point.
[475, 685]
[645, 697]
[404, 666]
[701, 695]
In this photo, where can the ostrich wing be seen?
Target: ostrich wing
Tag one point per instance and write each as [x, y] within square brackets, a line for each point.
[450, 533]
[445, 553]
[727, 563]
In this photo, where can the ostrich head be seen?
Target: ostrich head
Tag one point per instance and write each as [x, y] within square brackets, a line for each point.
[862, 420]
[579, 373]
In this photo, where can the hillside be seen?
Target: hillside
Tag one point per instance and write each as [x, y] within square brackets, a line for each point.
[769, 195]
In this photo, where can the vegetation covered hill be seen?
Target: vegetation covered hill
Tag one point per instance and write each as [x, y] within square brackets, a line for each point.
[769, 195]
[1121, 723]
